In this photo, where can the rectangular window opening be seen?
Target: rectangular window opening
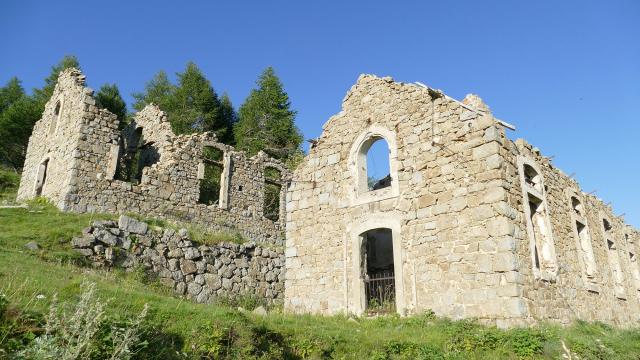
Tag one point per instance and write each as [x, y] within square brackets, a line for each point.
[210, 184]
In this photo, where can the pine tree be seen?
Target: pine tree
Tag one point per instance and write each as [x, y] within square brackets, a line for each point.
[159, 91]
[10, 93]
[197, 107]
[108, 97]
[266, 120]
[229, 118]
[44, 94]
[191, 106]
[18, 114]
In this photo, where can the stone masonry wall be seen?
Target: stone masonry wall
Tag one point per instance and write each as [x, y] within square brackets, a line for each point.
[199, 272]
[462, 244]
[573, 295]
[86, 152]
[444, 206]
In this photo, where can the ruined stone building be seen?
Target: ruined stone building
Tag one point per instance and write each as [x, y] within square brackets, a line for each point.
[468, 224]
[80, 160]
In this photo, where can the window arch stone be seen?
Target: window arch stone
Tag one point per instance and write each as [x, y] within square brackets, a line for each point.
[359, 191]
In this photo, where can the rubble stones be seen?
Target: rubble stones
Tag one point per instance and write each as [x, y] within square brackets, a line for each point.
[200, 273]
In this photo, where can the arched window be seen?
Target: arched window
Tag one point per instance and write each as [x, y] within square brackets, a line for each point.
[272, 191]
[614, 259]
[377, 164]
[57, 110]
[543, 253]
[373, 165]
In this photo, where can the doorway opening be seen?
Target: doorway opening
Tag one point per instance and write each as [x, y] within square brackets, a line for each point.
[42, 177]
[378, 271]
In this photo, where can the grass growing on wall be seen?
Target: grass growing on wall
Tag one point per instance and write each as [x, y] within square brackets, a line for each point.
[178, 329]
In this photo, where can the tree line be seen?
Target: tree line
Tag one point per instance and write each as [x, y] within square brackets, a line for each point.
[264, 122]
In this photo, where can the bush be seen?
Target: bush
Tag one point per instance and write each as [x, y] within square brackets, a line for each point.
[79, 332]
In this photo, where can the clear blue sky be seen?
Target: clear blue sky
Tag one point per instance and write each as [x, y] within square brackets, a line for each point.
[566, 73]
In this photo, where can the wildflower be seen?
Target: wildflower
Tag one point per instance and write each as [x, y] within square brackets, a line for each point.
[40, 297]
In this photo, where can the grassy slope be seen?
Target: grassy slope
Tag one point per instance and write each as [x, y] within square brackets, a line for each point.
[179, 329]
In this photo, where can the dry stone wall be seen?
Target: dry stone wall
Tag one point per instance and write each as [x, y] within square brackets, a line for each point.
[466, 241]
[202, 273]
[87, 149]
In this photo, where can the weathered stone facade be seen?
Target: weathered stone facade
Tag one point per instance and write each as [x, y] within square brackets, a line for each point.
[480, 226]
[199, 272]
[76, 148]
[468, 223]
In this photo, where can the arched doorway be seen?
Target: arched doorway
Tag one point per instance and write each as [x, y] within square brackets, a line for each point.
[378, 271]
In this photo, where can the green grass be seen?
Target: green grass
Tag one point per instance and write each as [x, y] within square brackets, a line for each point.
[9, 181]
[178, 329]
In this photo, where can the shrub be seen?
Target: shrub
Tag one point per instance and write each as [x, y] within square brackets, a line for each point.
[79, 332]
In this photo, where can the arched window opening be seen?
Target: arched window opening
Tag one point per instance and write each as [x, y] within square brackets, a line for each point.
[532, 178]
[272, 191]
[377, 167]
[41, 177]
[210, 183]
[614, 259]
[56, 117]
[378, 270]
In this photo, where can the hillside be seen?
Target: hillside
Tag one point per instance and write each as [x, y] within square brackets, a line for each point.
[176, 329]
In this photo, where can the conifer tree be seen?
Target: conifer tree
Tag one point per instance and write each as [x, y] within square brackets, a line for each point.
[197, 107]
[43, 94]
[18, 114]
[191, 106]
[109, 97]
[229, 118]
[158, 91]
[266, 120]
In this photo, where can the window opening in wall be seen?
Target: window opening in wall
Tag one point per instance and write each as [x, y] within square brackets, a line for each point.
[41, 178]
[543, 244]
[212, 158]
[56, 117]
[584, 239]
[614, 259]
[532, 178]
[577, 206]
[635, 269]
[378, 271]
[138, 155]
[272, 190]
[377, 164]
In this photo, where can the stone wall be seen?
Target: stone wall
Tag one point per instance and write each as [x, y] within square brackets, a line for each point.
[200, 272]
[573, 293]
[88, 147]
[443, 207]
[458, 215]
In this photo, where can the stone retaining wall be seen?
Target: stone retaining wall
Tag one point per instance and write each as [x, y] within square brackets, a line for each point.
[200, 272]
